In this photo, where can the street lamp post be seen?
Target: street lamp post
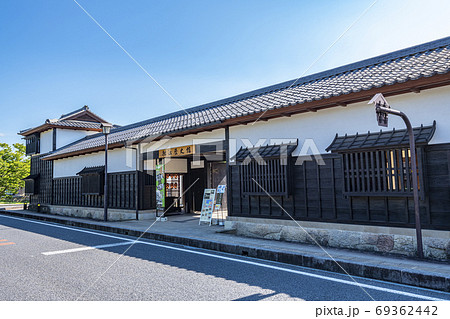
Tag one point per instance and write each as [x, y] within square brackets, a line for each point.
[383, 108]
[106, 129]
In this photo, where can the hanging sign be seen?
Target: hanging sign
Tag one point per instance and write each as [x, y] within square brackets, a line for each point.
[209, 196]
[177, 151]
[221, 189]
[160, 187]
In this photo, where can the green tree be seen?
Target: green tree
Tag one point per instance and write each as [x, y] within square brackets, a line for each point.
[14, 165]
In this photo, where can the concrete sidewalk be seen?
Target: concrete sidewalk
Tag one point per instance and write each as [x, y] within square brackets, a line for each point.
[184, 230]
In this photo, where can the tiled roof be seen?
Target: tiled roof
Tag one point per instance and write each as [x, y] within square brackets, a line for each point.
[71, 123]
[81, 118]
[32, 176]
[424, 60]
[62, 123]
[381, 139]
[92, 170]
[267, 151]
[81, 109]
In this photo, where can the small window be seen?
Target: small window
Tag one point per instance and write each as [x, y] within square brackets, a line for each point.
[379, 163]
[32, 184]
[265, 170]
[92, 182]
[383, 172]
[32, 143]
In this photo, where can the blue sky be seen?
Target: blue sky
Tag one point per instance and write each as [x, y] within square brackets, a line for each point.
[55, 59]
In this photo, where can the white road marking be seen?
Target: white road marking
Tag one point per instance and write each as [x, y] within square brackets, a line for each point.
[351, 283]
[74, 250]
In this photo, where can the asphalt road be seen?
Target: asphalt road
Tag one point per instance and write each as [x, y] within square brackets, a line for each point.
[45, 261]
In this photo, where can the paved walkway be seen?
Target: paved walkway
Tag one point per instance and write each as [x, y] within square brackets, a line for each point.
[185, 230]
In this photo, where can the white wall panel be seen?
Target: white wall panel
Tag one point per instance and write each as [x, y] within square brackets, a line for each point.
[322, 126]
[319, 127]
[119, 160]
[65, 136]
[46, 141]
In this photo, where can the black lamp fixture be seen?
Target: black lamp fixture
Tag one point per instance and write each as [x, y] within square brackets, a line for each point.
[106, 129]
[382, 109]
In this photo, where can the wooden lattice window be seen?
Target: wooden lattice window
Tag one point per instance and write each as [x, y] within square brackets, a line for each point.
[32, 184]
[266, 169]
[384, 172]
[92, 182]
[262, 177]
[32, 144]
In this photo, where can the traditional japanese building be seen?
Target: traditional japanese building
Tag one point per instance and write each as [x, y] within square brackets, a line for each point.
[305, 150]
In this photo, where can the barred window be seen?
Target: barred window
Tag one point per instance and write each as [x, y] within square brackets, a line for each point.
[383, 172]
[32, 184]
[379, 163]
[92, 182]
[257, 178]
[32, 143]
[265, 170]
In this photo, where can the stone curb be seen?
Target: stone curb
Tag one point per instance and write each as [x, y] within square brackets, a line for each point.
[393, 274]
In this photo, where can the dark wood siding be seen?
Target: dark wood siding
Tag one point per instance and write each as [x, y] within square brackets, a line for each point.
[147, 195]
[67, 191]
[437, 173]
[45, 171]
[318, 194]
[122, 187]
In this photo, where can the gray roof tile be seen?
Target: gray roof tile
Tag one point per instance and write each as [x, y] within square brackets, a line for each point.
[381, 139]
[412, 63]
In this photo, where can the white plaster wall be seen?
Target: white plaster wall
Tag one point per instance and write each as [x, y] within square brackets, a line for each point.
[322, 126]
[119, 160]
[65, 136]
[150, 165]
[46, 140]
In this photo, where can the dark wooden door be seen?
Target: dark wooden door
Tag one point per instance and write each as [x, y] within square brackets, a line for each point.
[195, 193]
[219, 177]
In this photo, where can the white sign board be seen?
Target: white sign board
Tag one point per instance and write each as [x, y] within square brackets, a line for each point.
[221, 189]
[209, 195]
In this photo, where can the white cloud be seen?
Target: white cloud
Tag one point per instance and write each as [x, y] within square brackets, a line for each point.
[2, 134]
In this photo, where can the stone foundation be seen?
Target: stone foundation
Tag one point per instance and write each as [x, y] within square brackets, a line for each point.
[400, 241]
[95, 212]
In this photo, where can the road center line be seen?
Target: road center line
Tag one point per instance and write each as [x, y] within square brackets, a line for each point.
[74, 250]
[303, 273]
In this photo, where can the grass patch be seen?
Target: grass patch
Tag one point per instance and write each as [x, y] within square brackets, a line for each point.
[13, 203]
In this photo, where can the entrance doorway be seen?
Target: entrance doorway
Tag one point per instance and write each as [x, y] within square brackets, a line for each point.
[198, 176]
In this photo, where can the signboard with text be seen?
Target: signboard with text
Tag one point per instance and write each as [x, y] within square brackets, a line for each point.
[209, 196]
[177, 151]
[160, 187]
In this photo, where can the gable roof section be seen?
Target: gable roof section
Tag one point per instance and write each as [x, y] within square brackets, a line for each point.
[80, 119]
[382, 139]
[82, 114]
[423, 62]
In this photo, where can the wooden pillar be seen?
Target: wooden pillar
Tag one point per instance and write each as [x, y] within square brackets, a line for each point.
[229, 176]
